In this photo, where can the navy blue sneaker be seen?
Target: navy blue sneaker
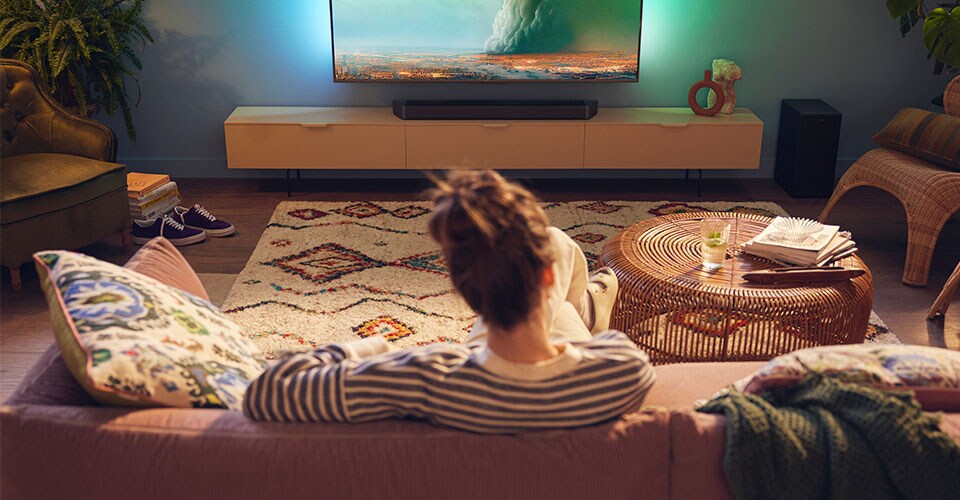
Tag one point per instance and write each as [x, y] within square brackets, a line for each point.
[197, 217]
[177, 233]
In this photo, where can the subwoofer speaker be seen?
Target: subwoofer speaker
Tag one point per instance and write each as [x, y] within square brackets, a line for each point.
[807, 148]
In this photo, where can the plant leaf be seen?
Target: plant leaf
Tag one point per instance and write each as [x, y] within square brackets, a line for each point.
[898, 8]
[14, 32]
[908, 21]
[941, 35]
[79, 93]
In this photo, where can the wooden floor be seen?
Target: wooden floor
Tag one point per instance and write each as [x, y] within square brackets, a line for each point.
[876, 220]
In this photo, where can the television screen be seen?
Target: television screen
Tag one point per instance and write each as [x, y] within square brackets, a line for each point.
[485, 40]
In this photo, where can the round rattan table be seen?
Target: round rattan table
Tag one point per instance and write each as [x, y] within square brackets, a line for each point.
[678, 312]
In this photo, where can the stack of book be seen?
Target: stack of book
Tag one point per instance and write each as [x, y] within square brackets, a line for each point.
[151, 195]
[822, 247]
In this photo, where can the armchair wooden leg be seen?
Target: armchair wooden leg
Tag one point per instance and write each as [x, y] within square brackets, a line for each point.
[15, 280]
[946, 296]
[127, 239]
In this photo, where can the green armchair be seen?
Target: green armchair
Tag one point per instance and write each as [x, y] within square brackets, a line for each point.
[59, 185]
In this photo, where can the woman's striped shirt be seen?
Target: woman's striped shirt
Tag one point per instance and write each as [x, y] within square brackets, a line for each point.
[464, 386]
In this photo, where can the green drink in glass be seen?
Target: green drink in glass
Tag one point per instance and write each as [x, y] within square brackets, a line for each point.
[714, 236]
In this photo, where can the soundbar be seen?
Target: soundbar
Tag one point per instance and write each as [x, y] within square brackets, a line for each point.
[495, 110]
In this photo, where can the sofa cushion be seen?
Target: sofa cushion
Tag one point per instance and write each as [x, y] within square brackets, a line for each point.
[932, 373]
[35, 184]
[160, 260]
[133, 341]
[930, 136]
[49, 382]
[679, 386]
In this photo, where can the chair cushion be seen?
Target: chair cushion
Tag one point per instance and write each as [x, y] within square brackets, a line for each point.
[131, 340]
[933, 137]
[40, 183]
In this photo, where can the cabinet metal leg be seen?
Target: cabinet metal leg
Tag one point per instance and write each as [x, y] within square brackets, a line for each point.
[289, 189]
[686, 177]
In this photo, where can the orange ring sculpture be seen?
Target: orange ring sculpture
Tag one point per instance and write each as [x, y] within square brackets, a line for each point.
[706, 83]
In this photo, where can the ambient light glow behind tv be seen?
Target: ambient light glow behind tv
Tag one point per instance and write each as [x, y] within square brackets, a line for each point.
[485, 40]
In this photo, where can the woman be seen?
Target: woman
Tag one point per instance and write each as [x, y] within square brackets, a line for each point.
[530, 362]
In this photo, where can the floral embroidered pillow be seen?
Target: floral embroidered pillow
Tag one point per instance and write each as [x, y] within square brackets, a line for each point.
[132, 341]
[933, 374]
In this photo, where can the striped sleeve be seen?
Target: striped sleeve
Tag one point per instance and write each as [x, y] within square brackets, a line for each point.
[300, 388]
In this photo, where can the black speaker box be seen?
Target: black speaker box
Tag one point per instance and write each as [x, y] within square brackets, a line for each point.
[495, 110]
[807, 148]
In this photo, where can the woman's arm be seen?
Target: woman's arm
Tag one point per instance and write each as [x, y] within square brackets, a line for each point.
[307, 387]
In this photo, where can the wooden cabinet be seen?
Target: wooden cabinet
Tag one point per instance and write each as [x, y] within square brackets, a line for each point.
[510, 144]
[323, 138]
[373, 138]
[672, 138]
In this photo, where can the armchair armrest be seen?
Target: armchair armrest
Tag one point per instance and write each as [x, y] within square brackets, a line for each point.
[71, 134]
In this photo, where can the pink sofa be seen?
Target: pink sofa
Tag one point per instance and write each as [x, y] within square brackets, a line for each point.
[56, 443]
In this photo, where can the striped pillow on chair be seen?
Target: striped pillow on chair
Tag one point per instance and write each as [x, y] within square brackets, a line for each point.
[933, 137]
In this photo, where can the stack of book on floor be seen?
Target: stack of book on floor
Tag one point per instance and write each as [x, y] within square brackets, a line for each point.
[818, 245]
[151, 195]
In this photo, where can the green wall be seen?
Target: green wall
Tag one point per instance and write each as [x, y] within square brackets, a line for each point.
[214, 55]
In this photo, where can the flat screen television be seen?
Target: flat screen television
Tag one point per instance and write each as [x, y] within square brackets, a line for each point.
[485, 40]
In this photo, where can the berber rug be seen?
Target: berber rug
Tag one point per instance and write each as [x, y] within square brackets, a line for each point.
[338, 271]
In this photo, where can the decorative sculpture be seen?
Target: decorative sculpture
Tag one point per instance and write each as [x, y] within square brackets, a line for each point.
[725, 73]
[706, 83]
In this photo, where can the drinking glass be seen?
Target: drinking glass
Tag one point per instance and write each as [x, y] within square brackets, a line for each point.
[714, 235]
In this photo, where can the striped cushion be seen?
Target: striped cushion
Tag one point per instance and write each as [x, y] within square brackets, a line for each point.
[933, 137]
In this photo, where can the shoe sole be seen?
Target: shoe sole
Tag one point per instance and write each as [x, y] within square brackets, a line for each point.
[177, 242]
[602, 320]
[216, 233]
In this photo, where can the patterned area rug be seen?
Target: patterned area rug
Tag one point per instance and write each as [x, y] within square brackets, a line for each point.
[337, 271]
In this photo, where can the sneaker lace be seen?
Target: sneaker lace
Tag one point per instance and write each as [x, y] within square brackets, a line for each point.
[171, 222]
[203, 211]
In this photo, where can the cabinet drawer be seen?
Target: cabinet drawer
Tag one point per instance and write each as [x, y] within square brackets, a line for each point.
[673, 145]
[315, 145]
[494, 145]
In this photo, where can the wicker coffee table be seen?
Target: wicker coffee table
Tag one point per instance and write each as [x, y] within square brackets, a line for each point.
[678, 312]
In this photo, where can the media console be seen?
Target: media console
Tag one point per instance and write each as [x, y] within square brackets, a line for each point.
[373, 138]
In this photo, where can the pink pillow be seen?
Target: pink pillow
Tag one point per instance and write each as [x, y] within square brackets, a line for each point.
[160, 260]
[933, 374]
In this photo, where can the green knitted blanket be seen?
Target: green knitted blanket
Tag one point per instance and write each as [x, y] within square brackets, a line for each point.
[829, 439]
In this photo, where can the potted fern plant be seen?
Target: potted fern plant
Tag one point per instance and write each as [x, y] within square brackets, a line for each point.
[83, 49]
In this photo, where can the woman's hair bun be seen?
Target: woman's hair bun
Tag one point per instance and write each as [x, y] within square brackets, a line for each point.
[494, 236]
[465, 208]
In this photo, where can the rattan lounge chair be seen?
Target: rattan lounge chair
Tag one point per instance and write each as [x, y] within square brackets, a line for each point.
[930, 194]
[946, 295]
